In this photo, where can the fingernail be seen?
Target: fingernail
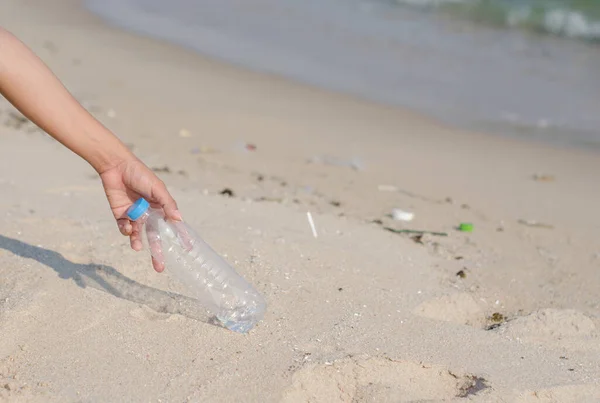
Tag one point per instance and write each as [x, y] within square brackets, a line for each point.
[177, 215]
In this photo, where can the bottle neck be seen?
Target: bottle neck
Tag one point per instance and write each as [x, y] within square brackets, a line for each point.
[144, 217]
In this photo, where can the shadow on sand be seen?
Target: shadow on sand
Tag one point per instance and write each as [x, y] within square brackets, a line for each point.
[108, 279]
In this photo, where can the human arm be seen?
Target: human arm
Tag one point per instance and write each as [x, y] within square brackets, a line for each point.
[38, 94]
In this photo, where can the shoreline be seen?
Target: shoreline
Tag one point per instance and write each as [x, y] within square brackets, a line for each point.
[463, 96]
[76, 14]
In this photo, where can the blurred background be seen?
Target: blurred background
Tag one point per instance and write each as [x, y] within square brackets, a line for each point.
[527, 68]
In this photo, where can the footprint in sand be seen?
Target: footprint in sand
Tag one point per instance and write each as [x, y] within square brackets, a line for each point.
[377, 379]
[458, 308]
[552, 326]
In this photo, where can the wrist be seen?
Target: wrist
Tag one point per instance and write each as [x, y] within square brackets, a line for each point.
[109, 156]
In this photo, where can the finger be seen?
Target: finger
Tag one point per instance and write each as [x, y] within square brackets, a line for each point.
[154, 241]
[184, 235]
[158, 265]
[135, 238]
[162, 196]
[124, 226]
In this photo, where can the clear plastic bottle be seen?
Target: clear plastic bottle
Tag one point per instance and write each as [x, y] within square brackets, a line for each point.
[214, 283]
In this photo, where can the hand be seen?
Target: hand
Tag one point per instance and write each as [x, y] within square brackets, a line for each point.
[126, 182]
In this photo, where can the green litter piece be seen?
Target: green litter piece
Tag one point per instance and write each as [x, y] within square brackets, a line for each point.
[465, 227]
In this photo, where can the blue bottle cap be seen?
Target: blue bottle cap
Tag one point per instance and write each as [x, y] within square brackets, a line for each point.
[138, 209]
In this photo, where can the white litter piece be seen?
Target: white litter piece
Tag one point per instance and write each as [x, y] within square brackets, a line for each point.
[312, 224]
[401, 215]
[355, 163]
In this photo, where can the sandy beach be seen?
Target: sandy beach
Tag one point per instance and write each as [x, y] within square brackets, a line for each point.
[505, 313]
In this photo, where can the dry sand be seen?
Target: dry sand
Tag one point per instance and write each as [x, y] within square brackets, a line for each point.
[507, 313]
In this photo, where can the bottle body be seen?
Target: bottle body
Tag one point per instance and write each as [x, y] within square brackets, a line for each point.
[210, 279]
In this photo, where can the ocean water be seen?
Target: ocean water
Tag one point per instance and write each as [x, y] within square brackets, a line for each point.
[527, 68]
[578, 19]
